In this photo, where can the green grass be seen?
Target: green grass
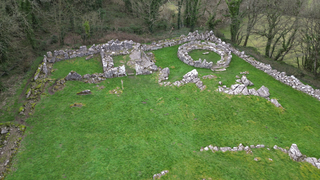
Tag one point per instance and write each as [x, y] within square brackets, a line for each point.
[211, 57]
[122, 60]
[120, 137]
[79, 65]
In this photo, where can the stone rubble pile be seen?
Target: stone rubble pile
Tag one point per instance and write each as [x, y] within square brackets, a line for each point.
[73, 76]
[158, 176]
[190, 77]
[93, 78]
[184, 49]
[293, 152]
[280, 76]
[241, 88]
[143, 64]
[115, 72]
[85, 92]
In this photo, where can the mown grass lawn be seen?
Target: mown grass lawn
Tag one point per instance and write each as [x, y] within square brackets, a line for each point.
[150, 128]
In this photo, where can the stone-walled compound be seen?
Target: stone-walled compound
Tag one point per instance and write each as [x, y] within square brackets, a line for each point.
[144, 64]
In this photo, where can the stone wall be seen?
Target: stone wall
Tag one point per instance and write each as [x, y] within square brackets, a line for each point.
[293, 152]
[225, 54]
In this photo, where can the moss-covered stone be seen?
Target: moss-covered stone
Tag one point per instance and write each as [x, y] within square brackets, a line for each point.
[21, 109]
[39, 86]
[21, 127]
[36, 75]
[33, 105]
[28, 91]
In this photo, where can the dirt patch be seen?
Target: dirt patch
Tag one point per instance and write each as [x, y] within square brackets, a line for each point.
[50, 89]
[76, 105]
[117, 90]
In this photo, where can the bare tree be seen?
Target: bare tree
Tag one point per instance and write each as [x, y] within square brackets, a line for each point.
[310, 40]
[212, 14]
[148, 10]
[279, 25]
[253, 10]
[193, 11]
[236, 17]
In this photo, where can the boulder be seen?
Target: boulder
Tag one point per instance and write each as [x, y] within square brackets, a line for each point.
[234, 86]
[239, 89]
[275, 102]
[4, 130]
[49, 54]
[295, 153]
[73, 76]
[245, 91]
[263, 92]
[192, 74]
[108, 74]
[164, 74]
[311, 160]
[253, 92]
[89, 57]
[245, 81]
[85, 92]
[45, 69]
[199, 84]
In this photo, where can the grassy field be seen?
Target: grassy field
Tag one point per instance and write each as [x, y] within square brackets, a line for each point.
[149, 128]
[211, 57]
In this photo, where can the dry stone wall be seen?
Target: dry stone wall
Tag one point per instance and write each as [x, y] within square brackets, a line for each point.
[184, 49]
[293, 152]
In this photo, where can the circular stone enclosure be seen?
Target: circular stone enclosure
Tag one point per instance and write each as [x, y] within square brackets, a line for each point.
[209, 56]
[225, 55]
